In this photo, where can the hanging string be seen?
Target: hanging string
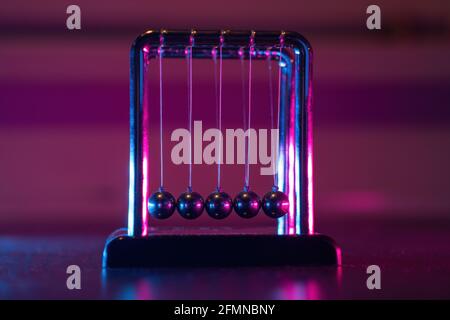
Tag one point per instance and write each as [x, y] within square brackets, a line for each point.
[244, 103]
[189, 82]
[216, 83]
[160, 49]
[244, 98]
[272, 124]
[275, 176]
[247, 159]
[220, 115]
[269, 66]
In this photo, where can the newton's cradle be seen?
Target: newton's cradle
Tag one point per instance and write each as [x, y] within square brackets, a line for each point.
[289, 200]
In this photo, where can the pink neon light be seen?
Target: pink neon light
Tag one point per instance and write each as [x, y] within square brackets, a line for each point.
[144, 290]
[310, 193]
[291, 167]
[145, 124]
[144, 194]
[310, 164]
[291, 222]
[339, 260]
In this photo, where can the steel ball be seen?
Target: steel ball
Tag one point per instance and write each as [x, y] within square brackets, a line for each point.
[190, 205]
[247, 204]
[161, 205]
[219, 205]
[275, 204]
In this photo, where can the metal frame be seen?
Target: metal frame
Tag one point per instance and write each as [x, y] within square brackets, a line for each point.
[296, 242]
[295, 147]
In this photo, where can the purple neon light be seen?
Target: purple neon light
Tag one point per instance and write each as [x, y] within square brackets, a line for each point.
[310, 161]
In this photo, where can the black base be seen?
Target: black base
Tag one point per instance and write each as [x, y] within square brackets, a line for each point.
[123, 251]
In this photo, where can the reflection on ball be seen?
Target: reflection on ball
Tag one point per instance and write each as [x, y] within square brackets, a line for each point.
[219, 205]
[275, 204]
[161, 205]
[247, 204]
[190, 205]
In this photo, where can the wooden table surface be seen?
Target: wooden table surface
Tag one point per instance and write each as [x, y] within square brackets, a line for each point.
[414, 258]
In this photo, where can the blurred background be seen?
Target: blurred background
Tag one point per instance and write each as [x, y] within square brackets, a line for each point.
[381, 105]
